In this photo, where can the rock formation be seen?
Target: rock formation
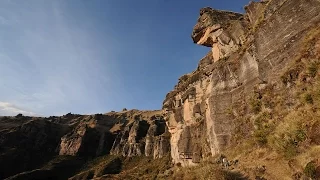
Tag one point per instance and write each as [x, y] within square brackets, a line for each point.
[248, 51]
[223, 31]
[126, 133]
[145, 135]
[27, 142]
[264, 51]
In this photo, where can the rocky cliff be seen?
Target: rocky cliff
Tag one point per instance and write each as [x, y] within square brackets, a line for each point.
[248, 53]
[254, 98]
[27, 143]
[146, 134]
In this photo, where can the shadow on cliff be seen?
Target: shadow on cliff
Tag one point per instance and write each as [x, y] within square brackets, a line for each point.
[28, 145]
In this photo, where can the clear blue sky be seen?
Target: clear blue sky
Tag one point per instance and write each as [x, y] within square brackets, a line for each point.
[94, 56]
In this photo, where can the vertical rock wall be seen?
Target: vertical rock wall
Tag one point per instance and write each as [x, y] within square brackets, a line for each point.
[145, 135]
[127, 133]
[248, 51]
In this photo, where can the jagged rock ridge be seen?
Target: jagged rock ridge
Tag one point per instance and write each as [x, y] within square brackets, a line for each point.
[29, 142]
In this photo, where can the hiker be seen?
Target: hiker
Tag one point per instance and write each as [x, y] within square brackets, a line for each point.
[225, 163]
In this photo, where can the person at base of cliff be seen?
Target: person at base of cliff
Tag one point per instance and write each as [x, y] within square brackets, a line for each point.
[225, 163]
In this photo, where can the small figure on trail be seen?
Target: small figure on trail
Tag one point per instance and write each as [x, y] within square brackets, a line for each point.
[225, 163]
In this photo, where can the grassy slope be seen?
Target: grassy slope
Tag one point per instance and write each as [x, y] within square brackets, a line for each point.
[114, 167]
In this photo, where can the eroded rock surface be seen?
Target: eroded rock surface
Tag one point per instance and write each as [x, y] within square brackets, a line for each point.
[248, 51]
[223, 31]
[29, 142]
[145, 135]
[26, 143]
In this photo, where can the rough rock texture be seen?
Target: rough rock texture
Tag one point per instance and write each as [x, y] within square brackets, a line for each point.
[248, 51]
[27, 143]
[157, 139]
[90, 137]
[146, 135]
[222, 30]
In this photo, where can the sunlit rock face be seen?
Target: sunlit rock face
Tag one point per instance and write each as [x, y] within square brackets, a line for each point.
[146, 135]
[89, 136]
[28, 142]
[223, 31]
[83, 141]
[247, 51]
[157, 139]
[127, 133]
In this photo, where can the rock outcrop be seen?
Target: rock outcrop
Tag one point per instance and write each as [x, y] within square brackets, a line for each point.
[223, 31]
[90, 136]
[29, 142]
[249, 51]
[145, 135]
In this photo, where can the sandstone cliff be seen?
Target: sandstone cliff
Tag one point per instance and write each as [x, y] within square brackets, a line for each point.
[146, 134]
[253, 98]
[249, 52]
[28, 142]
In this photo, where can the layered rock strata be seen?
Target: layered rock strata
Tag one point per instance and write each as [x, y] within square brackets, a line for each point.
[248, 51]
[28, 142]
[145, 135]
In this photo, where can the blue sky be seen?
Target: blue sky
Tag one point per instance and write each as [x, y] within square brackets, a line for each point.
[94, 56]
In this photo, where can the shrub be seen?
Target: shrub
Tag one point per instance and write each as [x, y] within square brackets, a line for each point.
[300, 135]
[289, 133]
[19, 115]
[313, 69]
[308, 98]
[183, 78]
[291, 75]
[255, 105]
[290, 150]
[260, 136]
[310, 169]
[263, 128]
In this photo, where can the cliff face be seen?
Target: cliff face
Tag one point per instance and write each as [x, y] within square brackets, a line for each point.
[127, 133]
[146, 134]
[28, 142]
[254, 97]
[249, 52]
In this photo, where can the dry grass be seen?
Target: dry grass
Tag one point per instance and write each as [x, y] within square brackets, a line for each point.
[142, 168]
[98, 167]
[281, 131]
[207, 169]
